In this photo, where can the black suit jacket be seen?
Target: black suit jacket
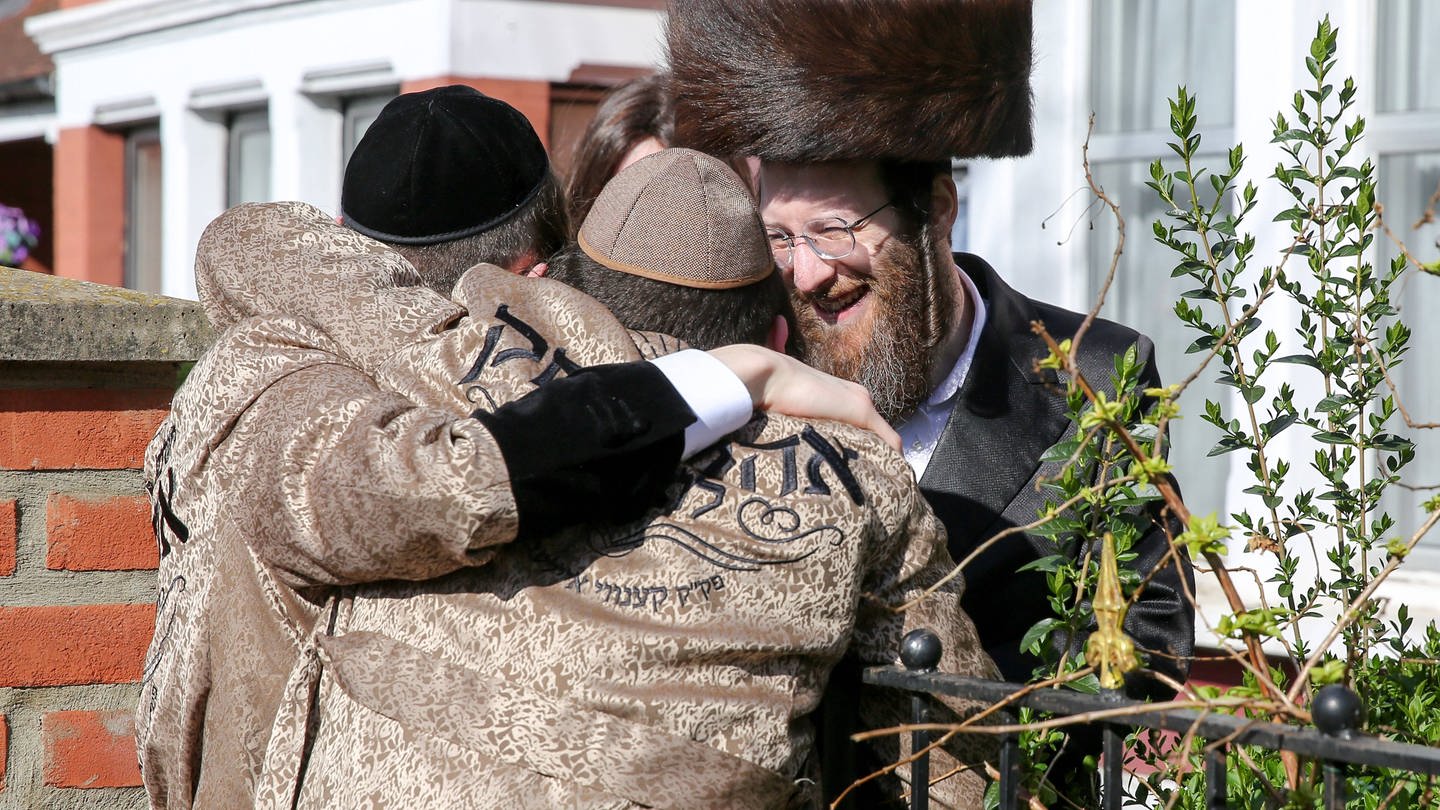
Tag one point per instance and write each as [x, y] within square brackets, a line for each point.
[981, 480]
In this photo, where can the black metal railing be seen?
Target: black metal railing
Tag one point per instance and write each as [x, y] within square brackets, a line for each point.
[1336, 741]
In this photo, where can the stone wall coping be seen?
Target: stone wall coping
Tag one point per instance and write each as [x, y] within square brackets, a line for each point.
[48, 319]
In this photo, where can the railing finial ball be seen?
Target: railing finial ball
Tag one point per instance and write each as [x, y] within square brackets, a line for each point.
[920, 650]
[1337, 711]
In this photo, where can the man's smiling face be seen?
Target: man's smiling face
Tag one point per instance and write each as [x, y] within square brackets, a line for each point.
[860, 314]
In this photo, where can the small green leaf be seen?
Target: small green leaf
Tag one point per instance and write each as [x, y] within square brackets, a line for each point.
[1088, 684]
[1048, 564]
[1204, 535]
[1299, 359]
[1332, 671]
[1037, 633]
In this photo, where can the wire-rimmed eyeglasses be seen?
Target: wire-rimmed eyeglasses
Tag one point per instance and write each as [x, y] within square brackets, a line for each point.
[829, 237]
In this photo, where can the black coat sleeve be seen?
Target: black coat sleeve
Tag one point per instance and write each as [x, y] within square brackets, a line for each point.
[600, 445]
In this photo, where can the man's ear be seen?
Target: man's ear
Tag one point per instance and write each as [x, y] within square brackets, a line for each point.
[779, 334]
[944, 203]
[538, 270]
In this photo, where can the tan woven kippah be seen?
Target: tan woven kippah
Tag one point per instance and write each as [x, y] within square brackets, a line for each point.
[682, 217]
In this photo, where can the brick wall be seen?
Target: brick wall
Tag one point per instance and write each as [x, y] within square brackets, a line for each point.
[86, 374]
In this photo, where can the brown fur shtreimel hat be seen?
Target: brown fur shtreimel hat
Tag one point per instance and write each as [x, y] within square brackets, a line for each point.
[439, 165]
[805, 81]
[681, 217]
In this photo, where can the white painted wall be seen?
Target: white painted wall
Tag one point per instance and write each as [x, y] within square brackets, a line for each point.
[524, 39]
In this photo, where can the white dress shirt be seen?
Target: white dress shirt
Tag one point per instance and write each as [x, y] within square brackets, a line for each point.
[921, 432]
[721, 402]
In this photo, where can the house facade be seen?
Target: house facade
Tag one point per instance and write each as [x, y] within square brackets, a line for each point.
[127, 125]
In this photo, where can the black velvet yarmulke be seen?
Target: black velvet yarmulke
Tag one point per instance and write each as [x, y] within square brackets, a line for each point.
[441, 164]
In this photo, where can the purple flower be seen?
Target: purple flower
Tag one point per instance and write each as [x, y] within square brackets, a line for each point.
[18, 234]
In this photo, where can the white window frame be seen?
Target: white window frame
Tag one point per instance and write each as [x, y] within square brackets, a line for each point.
[1391, 134]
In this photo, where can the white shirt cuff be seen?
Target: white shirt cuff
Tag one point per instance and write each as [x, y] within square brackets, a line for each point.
[721, 402]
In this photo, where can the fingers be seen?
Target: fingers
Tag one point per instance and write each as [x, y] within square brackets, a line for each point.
[861, 412]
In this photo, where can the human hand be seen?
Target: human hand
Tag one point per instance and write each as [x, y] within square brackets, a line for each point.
[782, 384]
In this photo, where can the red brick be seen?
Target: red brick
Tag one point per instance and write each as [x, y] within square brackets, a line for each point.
[90, 749]
[78, 429]
[9, 532]
[99, 534]
[530, 97]
[69, 646]
[89, 184]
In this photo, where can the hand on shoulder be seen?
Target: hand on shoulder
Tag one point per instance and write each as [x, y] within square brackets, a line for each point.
[782, 384]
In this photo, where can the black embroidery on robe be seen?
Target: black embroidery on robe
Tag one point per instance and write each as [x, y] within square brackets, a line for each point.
[538, 349]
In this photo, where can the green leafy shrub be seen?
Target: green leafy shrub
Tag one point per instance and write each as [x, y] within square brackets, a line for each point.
[1349, 337]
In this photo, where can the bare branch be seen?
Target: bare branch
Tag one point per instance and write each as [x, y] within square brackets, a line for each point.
[1428, 215]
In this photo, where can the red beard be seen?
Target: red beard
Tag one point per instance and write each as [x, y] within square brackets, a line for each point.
[885, 349]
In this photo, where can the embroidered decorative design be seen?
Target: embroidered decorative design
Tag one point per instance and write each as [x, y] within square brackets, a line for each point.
[539, 348]
[163, 520]
[777, 526]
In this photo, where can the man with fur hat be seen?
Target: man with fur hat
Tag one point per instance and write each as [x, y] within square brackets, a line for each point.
[296, 464]
[855, 189]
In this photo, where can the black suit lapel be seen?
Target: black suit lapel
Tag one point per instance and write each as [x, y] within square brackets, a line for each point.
[1006, 416]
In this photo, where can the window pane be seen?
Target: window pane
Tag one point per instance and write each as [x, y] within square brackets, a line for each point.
[359, 113]
[1408, 61]
[1142, 50]
[143, 214]
[249, 158]
[960, 233]
[1141, 298]
[1406, 183]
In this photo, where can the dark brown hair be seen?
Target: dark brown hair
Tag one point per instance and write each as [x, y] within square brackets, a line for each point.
[909, 184]
[634, 111]
[703, 318]
[537, 230]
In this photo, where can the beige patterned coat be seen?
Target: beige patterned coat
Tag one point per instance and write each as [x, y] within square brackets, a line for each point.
[333, 542]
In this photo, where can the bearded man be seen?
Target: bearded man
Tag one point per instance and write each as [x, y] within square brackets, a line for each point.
[855, 146]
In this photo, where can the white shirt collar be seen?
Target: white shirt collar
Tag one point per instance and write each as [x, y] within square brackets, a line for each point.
[946, 390]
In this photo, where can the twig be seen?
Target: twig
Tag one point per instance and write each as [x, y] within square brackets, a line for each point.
[1119, 240]
[1077, 221]
[1428, 215]
[1417, 487]
[1208, 706]
[1394, 391]
[1013, 530]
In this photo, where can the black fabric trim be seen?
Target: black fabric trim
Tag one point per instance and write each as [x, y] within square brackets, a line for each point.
[601, 445]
